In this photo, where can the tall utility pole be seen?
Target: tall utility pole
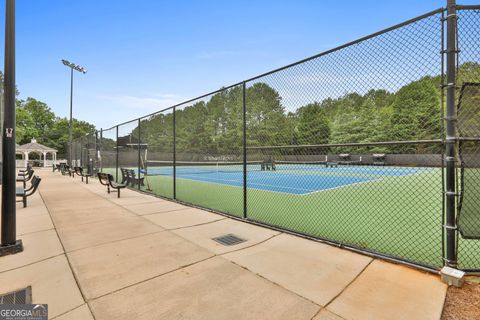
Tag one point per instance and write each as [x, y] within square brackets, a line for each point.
[9, 243]
[451, 141]
[81, 69]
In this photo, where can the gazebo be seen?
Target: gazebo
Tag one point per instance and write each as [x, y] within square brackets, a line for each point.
[39, 149]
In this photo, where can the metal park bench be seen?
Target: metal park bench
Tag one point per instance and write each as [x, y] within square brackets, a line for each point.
[66, 170]
[24, 193]
[129, 178]
[124, 175]
[107, 180]
[24, 172]
[79, 172]
[25, 176]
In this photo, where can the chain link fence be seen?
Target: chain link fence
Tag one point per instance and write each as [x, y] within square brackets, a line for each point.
[468, 113]
[346, 146]
[157, 148]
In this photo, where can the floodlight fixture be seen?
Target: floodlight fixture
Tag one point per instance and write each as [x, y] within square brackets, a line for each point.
[74, 66]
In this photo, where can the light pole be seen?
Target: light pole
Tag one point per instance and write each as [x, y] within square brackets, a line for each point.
[81, 69]
[9, 243]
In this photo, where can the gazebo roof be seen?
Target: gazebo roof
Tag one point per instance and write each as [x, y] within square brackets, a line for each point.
[34, 146]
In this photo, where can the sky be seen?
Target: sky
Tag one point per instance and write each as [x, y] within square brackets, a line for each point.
[146, 55]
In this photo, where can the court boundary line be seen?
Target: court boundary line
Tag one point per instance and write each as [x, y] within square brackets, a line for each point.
[344, 173]
[283, 192]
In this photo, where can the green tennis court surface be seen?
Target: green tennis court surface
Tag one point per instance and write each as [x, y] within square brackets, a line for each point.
[399, 203]
[298, 179]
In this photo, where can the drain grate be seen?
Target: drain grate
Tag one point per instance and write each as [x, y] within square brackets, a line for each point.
[22, 296]
[229, 240]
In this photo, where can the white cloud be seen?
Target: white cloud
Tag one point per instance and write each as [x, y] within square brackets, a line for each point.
[150, 102]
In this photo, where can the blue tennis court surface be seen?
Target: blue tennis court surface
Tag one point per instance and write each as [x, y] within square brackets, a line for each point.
[293, 179]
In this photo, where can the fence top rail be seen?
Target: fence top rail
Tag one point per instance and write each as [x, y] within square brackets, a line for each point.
[468, 6]
[348, 44]
[468, 138]
[181, 103]
[113, 127]
[397, 26]
[353, 144]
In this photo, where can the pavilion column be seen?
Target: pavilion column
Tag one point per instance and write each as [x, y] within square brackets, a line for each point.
[26, 158]
[44, 159]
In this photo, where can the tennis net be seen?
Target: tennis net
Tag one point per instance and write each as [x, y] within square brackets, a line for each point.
[293, 165]
[158, 167]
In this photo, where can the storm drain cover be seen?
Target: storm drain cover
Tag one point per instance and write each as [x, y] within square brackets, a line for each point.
[229, 240]
[22, 296]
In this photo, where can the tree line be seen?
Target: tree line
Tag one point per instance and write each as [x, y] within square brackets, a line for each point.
[35, 119]
[214, 126]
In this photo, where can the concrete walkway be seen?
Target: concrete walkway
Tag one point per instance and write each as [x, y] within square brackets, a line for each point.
[90, 255]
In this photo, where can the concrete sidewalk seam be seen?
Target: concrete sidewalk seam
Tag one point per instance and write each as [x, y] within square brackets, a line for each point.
[154, 277]
[33, 232]
[63, 247]
[64, 313]
[149, 214]
[350, 283]
[250, 246]
[110, 199]
[174, 210]
[201, 261]
[195, 225]
[275, 283]
[214, 255]
[317, 313]
[91, 222]
[113, 241]
[135, 214]
[34, 262]
[324, 308]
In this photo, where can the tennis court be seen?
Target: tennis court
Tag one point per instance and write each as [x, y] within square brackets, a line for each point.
[348, 203]
[364, 206]
[345, 202]
[298, 179]
[396, 188]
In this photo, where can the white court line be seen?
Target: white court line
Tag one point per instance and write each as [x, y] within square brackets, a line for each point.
[344, 173]
[339, 187]
[312, 191]
[218, 181]
[326, 189]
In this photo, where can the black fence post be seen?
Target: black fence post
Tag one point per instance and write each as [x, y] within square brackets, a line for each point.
[451, 137]
[97, 148]
[139, 154]
[80, 142]
[174, 155]
[116, 156]
[9, 243]
[100, 150]
[74, 153]
[244, 137]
